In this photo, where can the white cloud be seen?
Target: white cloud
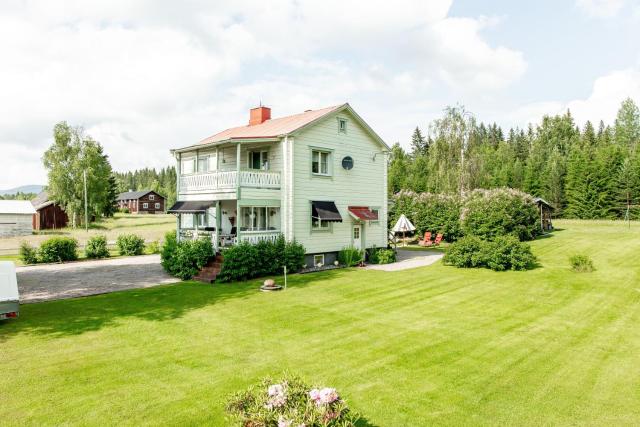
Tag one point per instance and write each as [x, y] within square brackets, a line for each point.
[145, 76]
[601, 8]
[603, 103]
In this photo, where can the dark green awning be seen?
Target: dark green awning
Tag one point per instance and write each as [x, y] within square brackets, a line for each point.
[191, 207]
[325, 211]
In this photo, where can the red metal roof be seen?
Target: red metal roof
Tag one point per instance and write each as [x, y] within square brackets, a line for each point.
[271, 128]
[363, 213]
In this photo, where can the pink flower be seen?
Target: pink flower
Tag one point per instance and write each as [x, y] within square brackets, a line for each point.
[283, 422]
[275, 390]
[315, 395]
[328, 395]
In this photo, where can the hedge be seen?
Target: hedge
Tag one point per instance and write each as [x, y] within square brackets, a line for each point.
[245, 260]
[500, 212]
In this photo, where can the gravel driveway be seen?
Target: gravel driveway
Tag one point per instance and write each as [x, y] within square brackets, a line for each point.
[76, 279]
[409, 259]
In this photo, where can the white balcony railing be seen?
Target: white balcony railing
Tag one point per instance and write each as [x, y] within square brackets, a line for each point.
[220, 180]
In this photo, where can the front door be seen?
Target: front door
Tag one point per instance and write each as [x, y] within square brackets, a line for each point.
[357, 236]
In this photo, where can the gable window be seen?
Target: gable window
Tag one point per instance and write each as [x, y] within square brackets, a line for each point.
[318, 260]
[187, 166]
[152, 197]
[320, 162]
[259, 160]
[342, 125]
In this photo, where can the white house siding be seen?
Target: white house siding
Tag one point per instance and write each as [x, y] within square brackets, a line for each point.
[15, 224]
[364, 185]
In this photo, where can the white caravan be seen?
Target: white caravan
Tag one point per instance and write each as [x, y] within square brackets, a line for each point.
[9, 297]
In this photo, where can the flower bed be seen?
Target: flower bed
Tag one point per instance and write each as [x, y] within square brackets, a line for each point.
[289, 402]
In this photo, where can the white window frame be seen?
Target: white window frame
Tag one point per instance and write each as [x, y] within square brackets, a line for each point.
[157, 205]
[321, 154]
[254, 217]
[315, 258]
[342, 129]
[185, 161]
[152, 197]
[205, 160]
[264, 159]
[145, 205]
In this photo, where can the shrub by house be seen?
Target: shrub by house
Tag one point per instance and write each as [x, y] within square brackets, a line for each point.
[130, 244]
[437, 213]
[186, 258]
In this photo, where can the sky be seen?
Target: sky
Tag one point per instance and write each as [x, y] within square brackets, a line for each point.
[145, 76]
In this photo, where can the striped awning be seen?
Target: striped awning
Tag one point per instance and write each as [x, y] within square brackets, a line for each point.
[191, 206]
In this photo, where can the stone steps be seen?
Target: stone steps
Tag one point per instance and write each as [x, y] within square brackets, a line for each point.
[210, 271]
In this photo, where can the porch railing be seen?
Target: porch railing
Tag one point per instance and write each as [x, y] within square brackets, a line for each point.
[254, 237]
[220, 180]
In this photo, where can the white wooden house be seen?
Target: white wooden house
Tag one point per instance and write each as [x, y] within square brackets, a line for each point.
[319, 177]
[16, 218]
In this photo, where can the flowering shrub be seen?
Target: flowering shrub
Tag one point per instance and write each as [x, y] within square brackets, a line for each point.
[504, 253]
[289, 402]
[500, 212]
[437, 213]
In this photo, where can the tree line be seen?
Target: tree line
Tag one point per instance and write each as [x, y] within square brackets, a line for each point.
[587, 172]
[18, 196]
[161, 181]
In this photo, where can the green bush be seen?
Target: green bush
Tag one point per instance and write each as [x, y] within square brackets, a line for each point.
[130, 244]
[467, 252]
[508, 253]
[372, 255]
[97, 247]
[245, 261]
[581, 263]
[386, 256]
[290, 401]
[504, 253]
[293, 256]
[500, 212]
[240, 263]
[58, 249]
[185, 259]
[154, 247]
[28, 254]
[350, 256]
[437, 213]
[123, 210]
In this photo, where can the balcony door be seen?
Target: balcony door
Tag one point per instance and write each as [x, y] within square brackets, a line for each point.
[259, 160]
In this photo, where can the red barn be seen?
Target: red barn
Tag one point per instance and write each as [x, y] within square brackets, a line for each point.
[142, 202]
[49, 215]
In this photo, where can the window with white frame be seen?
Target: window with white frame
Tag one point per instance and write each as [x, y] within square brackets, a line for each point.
[188, 166]
[203, 164]
[200, 219]
[320, 162]
[259, 218]
[259, 160]
[319, 225]
[318, 260]
[186, 220]
[145, 205]
[157, 205]
[342, 125]
[152, 197]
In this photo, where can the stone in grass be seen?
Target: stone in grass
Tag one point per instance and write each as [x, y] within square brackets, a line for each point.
[270, 285]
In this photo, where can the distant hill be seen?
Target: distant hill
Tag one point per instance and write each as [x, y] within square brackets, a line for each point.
[23, 189]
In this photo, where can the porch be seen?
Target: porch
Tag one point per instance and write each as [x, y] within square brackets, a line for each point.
[227, 222]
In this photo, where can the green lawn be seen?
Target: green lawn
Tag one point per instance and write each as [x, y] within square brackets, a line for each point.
[435, 345]
[149, 227]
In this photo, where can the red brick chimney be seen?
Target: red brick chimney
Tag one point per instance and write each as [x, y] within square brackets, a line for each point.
[259, 115]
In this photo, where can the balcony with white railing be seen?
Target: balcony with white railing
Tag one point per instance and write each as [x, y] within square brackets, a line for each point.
[228, 180]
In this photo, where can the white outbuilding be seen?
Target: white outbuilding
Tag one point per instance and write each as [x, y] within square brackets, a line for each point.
[16, 218]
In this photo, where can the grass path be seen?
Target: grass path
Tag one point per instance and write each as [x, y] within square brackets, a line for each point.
[430, 346]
